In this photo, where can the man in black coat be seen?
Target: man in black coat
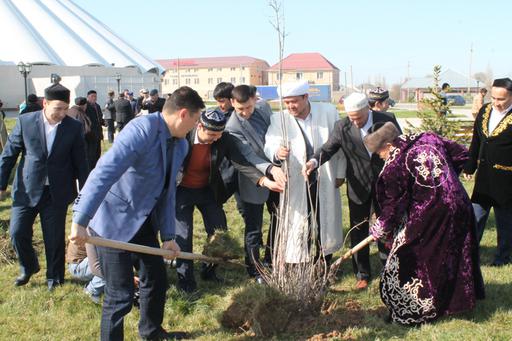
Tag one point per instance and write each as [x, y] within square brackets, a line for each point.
[154, 103]
[124, 111]
[94, 138]
[53, 158]
[202, 186]
[31, 105]
[490, 155]
[363, 169]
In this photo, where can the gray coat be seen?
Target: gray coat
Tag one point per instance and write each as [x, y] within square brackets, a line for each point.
[252, 147]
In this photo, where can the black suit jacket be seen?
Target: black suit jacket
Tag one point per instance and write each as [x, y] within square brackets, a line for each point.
[223, 148]
[491, 155]
[124, 112]
[95, 114]
[362, 170]
[65, 163]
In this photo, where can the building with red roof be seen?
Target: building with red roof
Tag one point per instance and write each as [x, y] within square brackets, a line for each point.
[312, 66]
[203, 74]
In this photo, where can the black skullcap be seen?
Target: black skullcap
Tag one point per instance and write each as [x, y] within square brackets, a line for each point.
[213, 120]
[57, 92]
[80, 100]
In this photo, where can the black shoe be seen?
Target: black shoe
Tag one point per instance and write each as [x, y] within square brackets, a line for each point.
[163, 335]
[24, 278]
[208, 273]
[53, 283]
[186, 285]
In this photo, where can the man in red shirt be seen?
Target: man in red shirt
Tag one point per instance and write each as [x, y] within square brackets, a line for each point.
[202, 186]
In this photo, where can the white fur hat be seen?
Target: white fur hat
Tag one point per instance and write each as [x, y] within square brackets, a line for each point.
[355, 101]
[294, 89]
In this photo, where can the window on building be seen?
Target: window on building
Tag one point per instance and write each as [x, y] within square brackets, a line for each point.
[219, 69]
[242, 80]
[189, 70]
[233, 68]
[187, 80]
[278, 76]
[210, 80]
[233, 80]
[196, 80]
[210, 69]
[195, 70]
[166, 82]
[174, 81]
[298, 75]
[243, 67]
[219, 80]
[319, 75]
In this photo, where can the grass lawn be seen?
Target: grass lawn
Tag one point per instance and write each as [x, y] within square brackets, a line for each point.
[33, 313]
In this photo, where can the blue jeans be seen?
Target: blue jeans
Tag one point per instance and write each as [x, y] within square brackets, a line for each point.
[117, 267]
[503, 217]
[82, 272]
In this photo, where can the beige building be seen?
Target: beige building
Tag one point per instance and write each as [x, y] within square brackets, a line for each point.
[313, 67]
[203, 74]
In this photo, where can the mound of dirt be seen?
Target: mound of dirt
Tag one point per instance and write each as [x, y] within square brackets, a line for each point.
[266, 311]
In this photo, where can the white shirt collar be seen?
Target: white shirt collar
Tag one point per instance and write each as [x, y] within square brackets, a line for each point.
[368, 124]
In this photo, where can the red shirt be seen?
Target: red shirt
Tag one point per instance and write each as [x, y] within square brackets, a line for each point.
[197, 173]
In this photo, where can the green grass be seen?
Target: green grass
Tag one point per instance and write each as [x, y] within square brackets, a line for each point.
[33, 313]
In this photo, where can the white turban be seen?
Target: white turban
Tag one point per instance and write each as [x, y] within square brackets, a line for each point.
[294, 89]
[355, 102]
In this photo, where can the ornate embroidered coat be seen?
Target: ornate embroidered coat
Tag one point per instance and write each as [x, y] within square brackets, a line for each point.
[491, 155]
[432, 269]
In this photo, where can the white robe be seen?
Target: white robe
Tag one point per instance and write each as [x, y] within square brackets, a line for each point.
[323, 117]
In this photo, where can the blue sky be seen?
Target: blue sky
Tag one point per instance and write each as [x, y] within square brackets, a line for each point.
[377, 38]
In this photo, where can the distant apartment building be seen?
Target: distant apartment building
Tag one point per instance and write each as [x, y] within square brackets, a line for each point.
[203, 74]
[313, 67]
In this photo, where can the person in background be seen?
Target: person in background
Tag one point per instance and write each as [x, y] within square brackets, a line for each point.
[95, 136]
[154, 104]
[31, 105]
[109, 116]
[379, 100]
[478, 102]
[124, 113]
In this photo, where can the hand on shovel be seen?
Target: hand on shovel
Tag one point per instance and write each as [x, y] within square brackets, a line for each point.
[171, 245]
[78, 234]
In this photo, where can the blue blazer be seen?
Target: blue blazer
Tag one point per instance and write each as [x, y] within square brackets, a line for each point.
[126, 186]
[65, 164]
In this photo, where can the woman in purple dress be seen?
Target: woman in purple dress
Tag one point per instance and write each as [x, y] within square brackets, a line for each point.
[432, 269]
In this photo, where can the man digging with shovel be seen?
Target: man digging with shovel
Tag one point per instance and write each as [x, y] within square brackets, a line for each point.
[128, 197]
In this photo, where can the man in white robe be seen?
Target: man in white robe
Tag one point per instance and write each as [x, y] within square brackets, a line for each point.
[308, 125]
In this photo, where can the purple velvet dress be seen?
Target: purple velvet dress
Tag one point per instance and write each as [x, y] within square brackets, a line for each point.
[433, 268]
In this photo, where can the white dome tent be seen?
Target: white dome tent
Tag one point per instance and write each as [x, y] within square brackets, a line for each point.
[57, 36]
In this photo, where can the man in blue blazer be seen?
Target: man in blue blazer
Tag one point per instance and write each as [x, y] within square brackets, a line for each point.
[130, 196]
[52, 151]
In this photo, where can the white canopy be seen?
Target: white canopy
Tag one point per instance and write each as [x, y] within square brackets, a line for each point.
[58, 32]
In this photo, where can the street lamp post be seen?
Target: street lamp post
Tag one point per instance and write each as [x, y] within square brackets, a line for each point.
[118, 79]
[25, 69]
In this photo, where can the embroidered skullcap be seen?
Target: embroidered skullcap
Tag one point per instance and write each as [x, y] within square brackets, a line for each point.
[355, 102]
[382, 134]
[56, 92]
[213, 120]
[378, 94]
[294, 89]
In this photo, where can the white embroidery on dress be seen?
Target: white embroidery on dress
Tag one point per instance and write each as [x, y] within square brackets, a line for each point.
[428, 165]
[404, 300]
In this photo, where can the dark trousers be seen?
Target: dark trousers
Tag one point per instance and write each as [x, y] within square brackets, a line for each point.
[121, 125]
[214, 217]
[361, 259]
[93, 153]
[117, 268]
[53, 222]
[111, 129]
[253, 219]
[273, 211]
[503, 216]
